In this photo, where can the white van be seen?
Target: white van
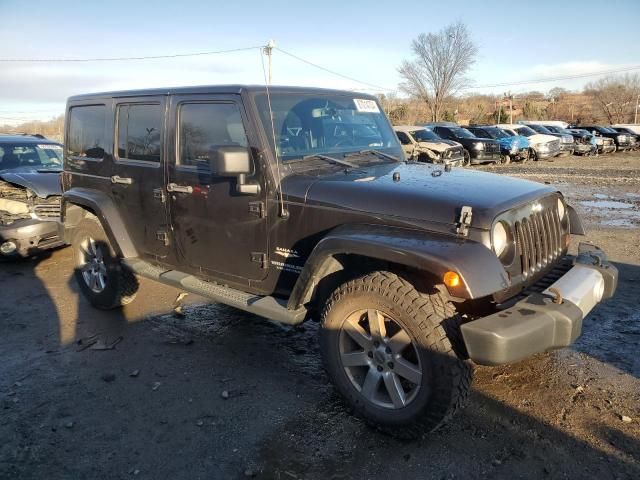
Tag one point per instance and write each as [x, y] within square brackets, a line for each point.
[553, 123]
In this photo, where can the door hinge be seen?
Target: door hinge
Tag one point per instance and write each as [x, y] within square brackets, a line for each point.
[158, 194]
[257, 209]
[163, 237]
[464, 221]
[259, 257]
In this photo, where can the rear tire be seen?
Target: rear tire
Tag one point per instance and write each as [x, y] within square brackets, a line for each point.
[391, 352]
[100, 274]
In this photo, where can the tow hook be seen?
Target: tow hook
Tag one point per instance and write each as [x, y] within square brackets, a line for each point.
[557, 295]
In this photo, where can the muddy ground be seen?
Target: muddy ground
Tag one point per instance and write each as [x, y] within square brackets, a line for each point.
[223, 394]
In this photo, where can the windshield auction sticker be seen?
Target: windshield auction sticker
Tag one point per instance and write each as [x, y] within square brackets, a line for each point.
[49, 146]
[365, 105]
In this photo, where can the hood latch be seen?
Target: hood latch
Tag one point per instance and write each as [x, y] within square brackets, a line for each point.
[464, 221]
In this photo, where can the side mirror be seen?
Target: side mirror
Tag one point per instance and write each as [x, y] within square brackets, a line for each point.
[235, 162]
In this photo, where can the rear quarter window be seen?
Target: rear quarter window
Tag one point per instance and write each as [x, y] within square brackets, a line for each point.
[86, 131]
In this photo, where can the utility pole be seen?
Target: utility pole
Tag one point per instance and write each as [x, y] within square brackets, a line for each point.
[268, 51]
[635, 117]
[507, 95]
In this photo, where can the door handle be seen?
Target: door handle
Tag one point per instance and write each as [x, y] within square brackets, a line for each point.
[174, 187]
[121, 180]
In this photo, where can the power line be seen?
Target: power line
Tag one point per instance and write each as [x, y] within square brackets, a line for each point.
[120, 59]
[556, 79]
[333, 72]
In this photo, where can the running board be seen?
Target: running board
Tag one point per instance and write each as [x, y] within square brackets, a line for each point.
[269, 307]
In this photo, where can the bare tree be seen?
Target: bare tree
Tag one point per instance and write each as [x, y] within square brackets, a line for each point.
[438, 70]
[615, 95]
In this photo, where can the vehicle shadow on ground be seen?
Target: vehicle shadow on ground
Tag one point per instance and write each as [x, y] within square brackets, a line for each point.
[220, 393]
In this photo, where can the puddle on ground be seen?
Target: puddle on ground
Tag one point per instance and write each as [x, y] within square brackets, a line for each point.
[600, 195]
[605, 204]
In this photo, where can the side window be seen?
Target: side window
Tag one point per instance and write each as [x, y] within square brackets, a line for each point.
[206, 127]
[404, 138]
[86, 131]
[139, 129]
[442, 132]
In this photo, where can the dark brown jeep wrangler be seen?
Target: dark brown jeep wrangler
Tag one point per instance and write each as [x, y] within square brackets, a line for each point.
[296, 204]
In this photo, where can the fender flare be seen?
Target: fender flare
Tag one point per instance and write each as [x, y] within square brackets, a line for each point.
[107, 213]
[480, 270]
[575, 222]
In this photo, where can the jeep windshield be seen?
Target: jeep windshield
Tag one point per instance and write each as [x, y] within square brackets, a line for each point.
[307, 125]
[37, 155]
[424, 135]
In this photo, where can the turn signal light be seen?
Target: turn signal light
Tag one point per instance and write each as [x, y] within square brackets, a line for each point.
[451, 279]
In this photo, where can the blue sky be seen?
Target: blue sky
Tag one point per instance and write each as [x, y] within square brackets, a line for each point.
[366, 40]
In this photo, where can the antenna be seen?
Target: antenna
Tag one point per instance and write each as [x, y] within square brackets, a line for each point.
[267, 51]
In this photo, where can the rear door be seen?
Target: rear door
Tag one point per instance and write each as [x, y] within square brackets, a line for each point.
[138, 172]
[216, 230]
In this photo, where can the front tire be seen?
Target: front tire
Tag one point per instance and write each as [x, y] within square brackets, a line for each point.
[388, 350]
[101, 276]
[466, 158]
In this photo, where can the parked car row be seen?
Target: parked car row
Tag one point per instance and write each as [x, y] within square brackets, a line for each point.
[450, 143]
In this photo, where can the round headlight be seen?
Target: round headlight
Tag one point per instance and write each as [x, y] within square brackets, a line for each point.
[500, 238]
[478, 146]
[561, 209]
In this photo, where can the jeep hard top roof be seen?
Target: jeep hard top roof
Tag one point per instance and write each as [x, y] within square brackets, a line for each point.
[216, 89]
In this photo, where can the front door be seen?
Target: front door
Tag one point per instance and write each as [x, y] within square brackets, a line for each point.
[137, 179]
[216, 230]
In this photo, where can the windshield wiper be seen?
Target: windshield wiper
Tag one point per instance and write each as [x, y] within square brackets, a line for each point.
[327, 158]
[373, 152]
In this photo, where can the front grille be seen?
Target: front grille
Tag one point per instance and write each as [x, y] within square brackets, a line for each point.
[493, 148]
[538, 240]
[47, 211]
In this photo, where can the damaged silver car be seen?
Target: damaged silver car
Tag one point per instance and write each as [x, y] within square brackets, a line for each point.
[30, 168]
[423, 145]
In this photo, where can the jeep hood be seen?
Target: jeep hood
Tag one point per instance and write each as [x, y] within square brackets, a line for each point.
[424, 193]
[42, 182]
[438, 146]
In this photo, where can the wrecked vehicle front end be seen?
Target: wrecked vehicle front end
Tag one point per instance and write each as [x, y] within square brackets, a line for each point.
[28, 223]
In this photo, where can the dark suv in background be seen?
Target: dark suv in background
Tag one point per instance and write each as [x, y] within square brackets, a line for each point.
[582, 142]
[476, 150]
[622, 141]
[512, 147]
[30, 193]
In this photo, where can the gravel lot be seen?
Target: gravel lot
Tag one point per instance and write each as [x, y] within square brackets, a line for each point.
[222, 394]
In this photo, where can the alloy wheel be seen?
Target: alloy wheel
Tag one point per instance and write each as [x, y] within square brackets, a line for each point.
[92, 266]
[380, 359]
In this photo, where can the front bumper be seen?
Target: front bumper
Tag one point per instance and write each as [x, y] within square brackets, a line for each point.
[543, 321]
[483, 157]
[31, 236]
[582, 148]
[606, 148]
[567, 149]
